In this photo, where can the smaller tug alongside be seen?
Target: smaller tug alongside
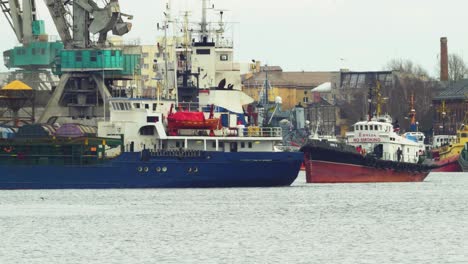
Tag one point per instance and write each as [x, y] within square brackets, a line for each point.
[374, 152]
[448, 147]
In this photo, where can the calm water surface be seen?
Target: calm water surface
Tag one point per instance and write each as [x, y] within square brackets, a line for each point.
[343, 223]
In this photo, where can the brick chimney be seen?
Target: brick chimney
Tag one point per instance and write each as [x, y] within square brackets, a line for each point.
[444, 76]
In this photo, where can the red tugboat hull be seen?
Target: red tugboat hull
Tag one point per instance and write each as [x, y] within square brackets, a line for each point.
[331, 172]
[340, 163]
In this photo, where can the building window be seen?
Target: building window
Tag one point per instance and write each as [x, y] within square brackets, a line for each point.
[305, 100]
[78, 56]
[93, 56]
[305, 92]
[224, 57]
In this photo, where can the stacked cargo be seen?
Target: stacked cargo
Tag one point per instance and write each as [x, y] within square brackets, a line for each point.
[6, 132]
[36, 131]
[75, 130]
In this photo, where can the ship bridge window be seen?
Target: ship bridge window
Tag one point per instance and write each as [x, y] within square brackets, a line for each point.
[371, 127]
[136, 105]
[380, 127]
[146, 106]
[147, 131]
[376, 127]
[242, 144]
[360, 127]
[154, 107]
[152, 119]
[366, 128]
[250, 144]
[203, 51]
[121, 106]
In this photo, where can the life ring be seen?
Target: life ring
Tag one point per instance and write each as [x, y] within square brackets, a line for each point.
[8, 149]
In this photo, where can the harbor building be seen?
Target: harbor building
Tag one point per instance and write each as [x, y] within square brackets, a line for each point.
[293, 87]
[450, 108]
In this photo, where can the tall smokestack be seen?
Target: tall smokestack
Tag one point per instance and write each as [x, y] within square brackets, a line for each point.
[444, 76]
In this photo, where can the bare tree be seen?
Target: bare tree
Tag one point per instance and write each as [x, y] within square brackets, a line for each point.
[410, 79]
[457, 67]
[406, 67]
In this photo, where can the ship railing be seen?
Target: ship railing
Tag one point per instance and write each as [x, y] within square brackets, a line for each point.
[403, 158]
[255, 131]
[177, 153]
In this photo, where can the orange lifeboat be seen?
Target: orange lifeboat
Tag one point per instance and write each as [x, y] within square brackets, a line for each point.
[191, 120]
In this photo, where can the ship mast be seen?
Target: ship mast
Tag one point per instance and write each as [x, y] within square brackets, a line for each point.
[379, 100]
[369, 101]
[412, 115]
[204, 24]
[167, 17]
[443, 111]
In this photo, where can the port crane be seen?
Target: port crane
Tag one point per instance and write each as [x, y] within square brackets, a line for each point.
[32, 59]
[88, 66]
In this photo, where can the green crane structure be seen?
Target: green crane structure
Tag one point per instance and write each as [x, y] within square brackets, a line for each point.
[33, 59]
[87, 67]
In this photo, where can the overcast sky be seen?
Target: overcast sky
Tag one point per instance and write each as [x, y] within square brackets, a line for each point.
[315, 35]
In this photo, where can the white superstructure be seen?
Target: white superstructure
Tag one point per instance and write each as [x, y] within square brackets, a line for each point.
[377, 136]
[144, 126]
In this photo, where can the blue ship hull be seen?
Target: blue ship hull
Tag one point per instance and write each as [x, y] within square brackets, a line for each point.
[129, 170]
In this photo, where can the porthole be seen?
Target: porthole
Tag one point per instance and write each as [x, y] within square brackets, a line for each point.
[164, 169]
[146, 169]
[195, 169]
[158, 169]
[139, 169]
[189, 169]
